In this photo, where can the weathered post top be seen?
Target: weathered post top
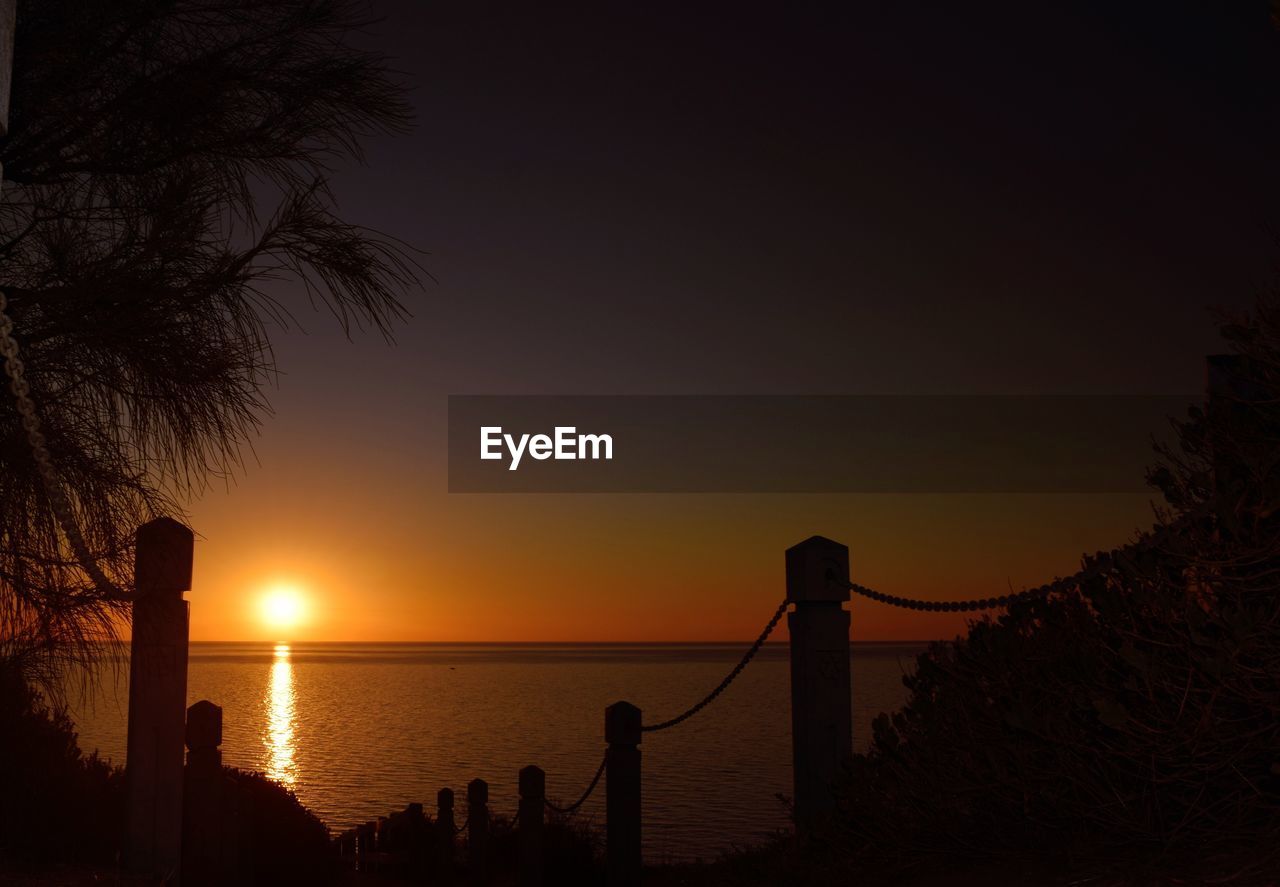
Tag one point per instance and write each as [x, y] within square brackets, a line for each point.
[477, 792]
[817, 570]
[444, 799]
[162, 558]
[533, 782]
[204, 725]
[622, 724]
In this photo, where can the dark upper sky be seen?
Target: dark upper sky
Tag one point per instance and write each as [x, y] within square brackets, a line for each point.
[894, 198]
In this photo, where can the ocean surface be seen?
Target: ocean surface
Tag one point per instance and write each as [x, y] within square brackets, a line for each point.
[361, 730]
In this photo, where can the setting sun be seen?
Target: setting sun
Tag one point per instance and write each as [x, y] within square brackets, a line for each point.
[283, 606]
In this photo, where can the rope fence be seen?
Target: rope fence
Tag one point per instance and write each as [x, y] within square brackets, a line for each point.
[817, 583]
[968, 606]
[571, 808]
[723, 685]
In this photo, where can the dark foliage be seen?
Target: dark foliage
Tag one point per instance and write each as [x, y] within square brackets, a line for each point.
[59, 806]
[279, 841]
[55, 802]
[165, 190]
[1135, 716]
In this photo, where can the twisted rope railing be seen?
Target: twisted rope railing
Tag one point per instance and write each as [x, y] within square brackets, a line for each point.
[723, 685]
[989, 603]
[1100, 563]
[595, 780]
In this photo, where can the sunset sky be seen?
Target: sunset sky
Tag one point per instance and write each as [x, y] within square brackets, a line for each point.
[645, 201]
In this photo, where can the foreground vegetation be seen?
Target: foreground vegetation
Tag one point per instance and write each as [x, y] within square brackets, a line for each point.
[62, 812]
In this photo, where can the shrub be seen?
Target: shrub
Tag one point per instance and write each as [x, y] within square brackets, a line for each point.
[1133, 714]
[56, 804]
[278, 840]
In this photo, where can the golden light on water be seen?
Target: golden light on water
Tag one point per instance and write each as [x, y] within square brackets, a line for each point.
[280, 719]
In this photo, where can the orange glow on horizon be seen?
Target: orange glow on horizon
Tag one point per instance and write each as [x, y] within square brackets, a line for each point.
[380, 560]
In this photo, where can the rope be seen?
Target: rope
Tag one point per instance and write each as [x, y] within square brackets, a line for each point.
[954, 606]
[737, 670]
[21, 390]
[1101, 562]
[595, 780]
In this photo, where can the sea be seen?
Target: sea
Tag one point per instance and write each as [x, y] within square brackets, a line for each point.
[358, 731]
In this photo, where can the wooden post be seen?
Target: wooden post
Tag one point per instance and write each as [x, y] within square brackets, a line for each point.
[446, 831]
[158, 697]
[366, 836]
[821, 719]
[533, 796]
[622, 795]
[208, 849]
[478, 831]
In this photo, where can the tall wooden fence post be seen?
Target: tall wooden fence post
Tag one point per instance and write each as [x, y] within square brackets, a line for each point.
[478, 831]
[622, 795]
[533, 796]
[158, 697]
[821, 716]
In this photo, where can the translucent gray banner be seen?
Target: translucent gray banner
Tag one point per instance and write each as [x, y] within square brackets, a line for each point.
[805, 444]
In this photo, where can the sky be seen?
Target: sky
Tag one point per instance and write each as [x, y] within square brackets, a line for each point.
[640, 198]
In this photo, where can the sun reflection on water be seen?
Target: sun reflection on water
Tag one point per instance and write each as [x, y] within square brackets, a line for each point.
[280, 719]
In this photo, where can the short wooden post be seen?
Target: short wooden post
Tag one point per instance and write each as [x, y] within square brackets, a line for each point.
[446, 831]
[821, 716]
[533, 796]
[478, 831]
[366, 837]
[622, 795]
[207, 847]
[158, 697]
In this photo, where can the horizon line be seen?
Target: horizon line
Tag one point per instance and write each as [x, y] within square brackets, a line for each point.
[559, 642]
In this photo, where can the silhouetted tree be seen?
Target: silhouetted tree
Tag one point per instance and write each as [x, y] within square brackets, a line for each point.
[1133, 715]
[166, 164]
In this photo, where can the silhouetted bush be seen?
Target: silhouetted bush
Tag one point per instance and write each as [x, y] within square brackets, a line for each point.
[279, 841]
[56, 804]
[1131, 717]
[572, 849]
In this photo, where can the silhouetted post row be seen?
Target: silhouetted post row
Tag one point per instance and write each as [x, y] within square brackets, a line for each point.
[533, 796]
[622, 795]
[158, 697]
[478, 831]
[821, 717]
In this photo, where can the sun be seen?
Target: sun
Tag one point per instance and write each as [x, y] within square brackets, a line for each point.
[283, 606]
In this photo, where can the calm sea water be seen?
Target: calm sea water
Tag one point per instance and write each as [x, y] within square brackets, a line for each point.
[360, 730]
